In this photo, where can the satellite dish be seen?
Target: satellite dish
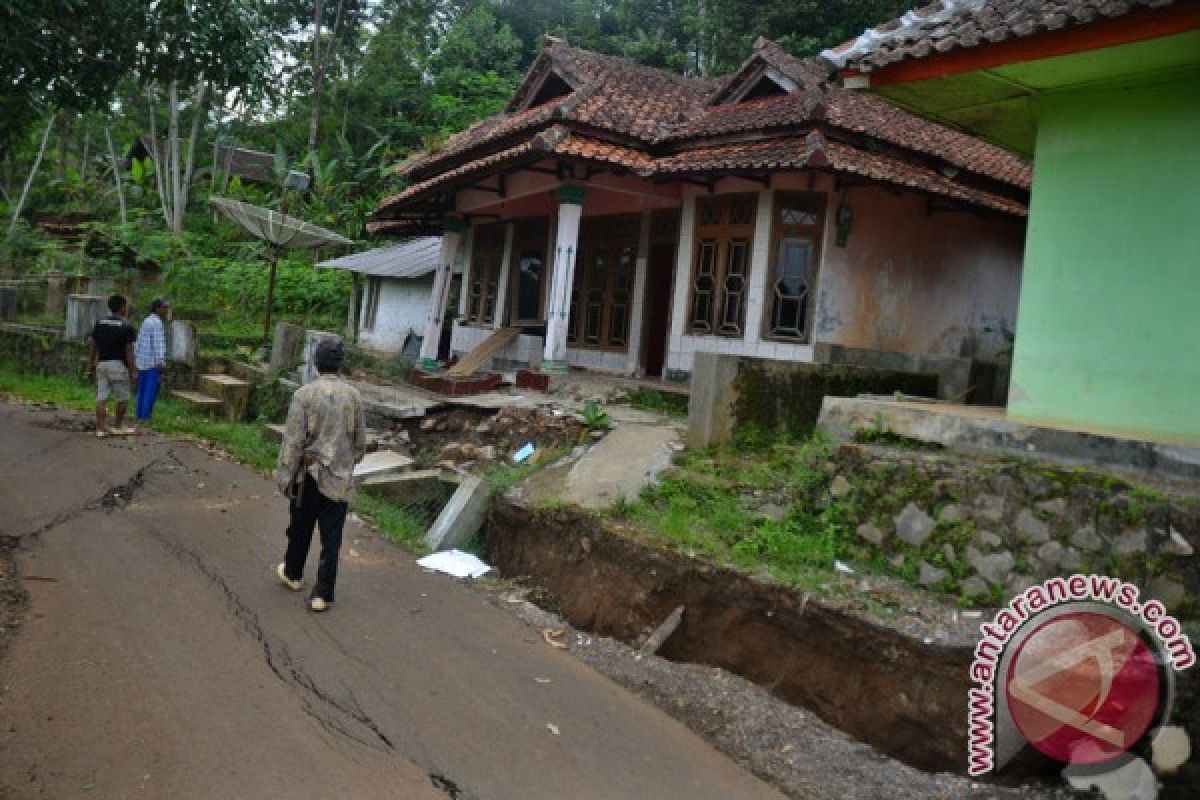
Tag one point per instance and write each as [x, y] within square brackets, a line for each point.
[282, 232]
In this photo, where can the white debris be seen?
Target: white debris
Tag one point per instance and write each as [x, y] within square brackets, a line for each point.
[456, 563]
[1133, 780]
[1171, 749]
[843, 567]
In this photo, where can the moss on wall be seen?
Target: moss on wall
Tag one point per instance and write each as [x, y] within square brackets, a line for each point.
[786, 397]
[43, 353]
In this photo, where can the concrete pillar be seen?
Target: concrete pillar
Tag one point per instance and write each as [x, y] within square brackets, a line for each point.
[83, 312]
[760, 267]
[637, 303]
[54, 293]
[311, 339]
[352, 311]
[566, 246]
[502, 282]
[286, 346]
[451, 239]
[181, 342]
[8, 303]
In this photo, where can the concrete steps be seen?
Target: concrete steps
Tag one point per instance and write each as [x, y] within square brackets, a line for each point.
[201, 401]
[233, 394]
[229, 395]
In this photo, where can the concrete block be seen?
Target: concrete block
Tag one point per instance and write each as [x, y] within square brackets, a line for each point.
[710, 407]
[83, 312]
[181, 342]
[966, 430]
[417, 487]
[461, 518]
[287, 347]
[234, 394]
[308, 373]
[55, 282]
[381, 462]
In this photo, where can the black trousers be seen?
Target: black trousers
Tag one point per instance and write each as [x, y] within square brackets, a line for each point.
[315, 510]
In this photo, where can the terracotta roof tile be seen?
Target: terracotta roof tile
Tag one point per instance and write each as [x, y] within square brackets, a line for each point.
[653, 122]
[948, 25]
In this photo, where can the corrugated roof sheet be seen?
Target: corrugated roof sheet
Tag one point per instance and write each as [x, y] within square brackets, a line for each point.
[411, 259]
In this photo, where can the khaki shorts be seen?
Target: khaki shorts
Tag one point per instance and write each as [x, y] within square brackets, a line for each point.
[112, 377]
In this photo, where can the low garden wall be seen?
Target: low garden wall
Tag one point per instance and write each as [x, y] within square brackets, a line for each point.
[740, 393]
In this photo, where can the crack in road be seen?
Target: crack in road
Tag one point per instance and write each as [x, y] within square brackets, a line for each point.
[316, 701]
[280, 661]
[114, 497]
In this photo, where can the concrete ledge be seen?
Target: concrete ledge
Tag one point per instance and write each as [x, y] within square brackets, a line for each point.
[456, 387]
[988, 431]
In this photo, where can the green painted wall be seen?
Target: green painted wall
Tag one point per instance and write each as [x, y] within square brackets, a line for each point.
[1108, 332]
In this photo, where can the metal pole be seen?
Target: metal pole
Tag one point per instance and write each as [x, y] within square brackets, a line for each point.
[270, 300]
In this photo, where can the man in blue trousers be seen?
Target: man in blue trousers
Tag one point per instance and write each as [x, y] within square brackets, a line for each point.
[151, 354]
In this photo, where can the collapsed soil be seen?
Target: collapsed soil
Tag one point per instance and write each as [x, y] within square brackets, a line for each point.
[462, 437]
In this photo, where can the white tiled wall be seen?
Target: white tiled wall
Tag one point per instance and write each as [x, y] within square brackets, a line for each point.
[684, 346]
[521, 351]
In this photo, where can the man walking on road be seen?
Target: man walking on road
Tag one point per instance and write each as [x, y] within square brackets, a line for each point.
[324, 438]
[151, 353]
[111, 363]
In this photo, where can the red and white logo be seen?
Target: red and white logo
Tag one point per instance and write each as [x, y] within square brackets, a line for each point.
[1083, 687]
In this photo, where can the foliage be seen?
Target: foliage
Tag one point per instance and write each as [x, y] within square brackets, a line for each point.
[662, 402]
[595, 418]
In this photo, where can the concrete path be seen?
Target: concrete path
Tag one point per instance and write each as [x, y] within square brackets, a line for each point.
[160, 659]
[630, 457]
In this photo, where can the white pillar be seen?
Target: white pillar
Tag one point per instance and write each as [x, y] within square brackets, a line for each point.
[680, 313]
[637, 299]
[760, 265]
[566, 246]
[451, 239]
[502, 281]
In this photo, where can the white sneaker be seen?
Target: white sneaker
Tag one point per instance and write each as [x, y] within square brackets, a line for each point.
[317, 604]
[295, 586]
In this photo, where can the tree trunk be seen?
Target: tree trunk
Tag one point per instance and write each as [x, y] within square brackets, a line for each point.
[317, 74]
[181, 199]
[116, 168]
[83, 158]
[64, 145]
[159, 158]
[37, 162]
[176, 176]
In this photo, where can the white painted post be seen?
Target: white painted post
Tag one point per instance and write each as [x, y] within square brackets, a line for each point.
[566, 246]
[451, 239]
[757, 299]
[638, 299]
[502, 281]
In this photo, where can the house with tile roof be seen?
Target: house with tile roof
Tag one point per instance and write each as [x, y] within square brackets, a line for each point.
[623, 218]
[1105, 96]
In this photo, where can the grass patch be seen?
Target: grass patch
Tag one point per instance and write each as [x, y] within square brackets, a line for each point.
[758, 511]
[397, 523]
[662, 402]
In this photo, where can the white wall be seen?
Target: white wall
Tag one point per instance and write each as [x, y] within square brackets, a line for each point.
[403, 304]
[683, 346]
[522, 350]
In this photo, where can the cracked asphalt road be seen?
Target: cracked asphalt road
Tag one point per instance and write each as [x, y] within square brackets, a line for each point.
[159, 658]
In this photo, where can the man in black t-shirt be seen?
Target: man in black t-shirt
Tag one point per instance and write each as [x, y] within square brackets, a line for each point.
[111, 363]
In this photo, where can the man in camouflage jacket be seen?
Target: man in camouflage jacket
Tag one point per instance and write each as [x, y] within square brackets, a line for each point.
[324, 438]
